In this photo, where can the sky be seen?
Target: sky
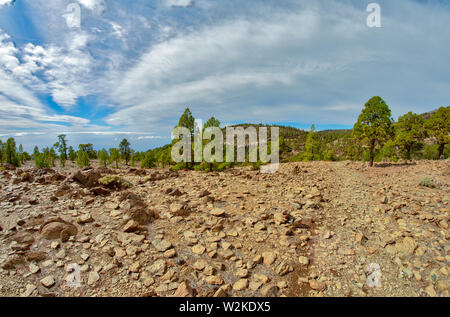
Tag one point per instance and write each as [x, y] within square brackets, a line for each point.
[130, 68]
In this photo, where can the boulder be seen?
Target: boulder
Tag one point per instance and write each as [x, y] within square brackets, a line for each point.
[57, 228]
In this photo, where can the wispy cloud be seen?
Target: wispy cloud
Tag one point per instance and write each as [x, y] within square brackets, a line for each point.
[135, 66]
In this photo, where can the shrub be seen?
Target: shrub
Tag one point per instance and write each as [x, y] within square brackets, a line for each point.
[148, 161]
[431, 152]
[41, 160]
[428, 182]
[82, 159]
[114, 181]
[329, 156]
[179, 166]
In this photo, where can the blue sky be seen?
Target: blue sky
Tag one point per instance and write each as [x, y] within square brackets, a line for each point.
[131, 67]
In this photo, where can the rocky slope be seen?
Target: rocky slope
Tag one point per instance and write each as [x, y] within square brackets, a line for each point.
[311, 229]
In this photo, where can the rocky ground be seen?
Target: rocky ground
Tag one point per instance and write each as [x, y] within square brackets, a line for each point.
[311, 229]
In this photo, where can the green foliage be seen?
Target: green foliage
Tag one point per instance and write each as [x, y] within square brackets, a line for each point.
[72, 154]
[427, 182]
[1, 152]
[313, 150]
[187, 121]
[89, 149]
[114, 181]
[135, 157]
[114, 156]
[26, 156]
[409, 134]
[388, 151]
[438, 126]
[35, 151]
[179, 166]
[283, 146]
[61, 145]
[163, 155]
[212, 122]
[82, 159]
[374, 125]
[20, 154]
[103, 157]
[330, 156]
[125, 150]
[52, 156]
[431, 152]
[148, 161]
[41, 160]
[62, 159]
[11, 154]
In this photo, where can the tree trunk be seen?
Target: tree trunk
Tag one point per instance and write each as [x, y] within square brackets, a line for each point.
[372, 147]
[441, 150]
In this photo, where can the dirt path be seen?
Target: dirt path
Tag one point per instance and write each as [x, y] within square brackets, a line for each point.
[365, 246]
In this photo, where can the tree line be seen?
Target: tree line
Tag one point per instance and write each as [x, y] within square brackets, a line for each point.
[375, 136]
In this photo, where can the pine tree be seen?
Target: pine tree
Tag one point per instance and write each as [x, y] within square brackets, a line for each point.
[114, 156]
[409, 134]
[374, 125]
[11, 152]
[312, 145]
[82, 159]
[438, 126]
[125, 150]
[103, 157]
[72, 154]
[61, 145]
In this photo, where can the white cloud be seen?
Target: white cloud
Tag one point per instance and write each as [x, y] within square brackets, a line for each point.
[316, 61]
[5, 2]
[94, 5]
[118, 30]
[62, 71]
[179, 3]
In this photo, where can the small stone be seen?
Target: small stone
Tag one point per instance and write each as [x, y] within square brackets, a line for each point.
[93, 278]
[158, 268]
[198, 249]
[84, 256]
[29, 289]
[303, 260]
[34, 268]
[214, 280]
[170, 253]
[220, 293]
[255, 285]
[162, 245]
[131, 226]
[282, 269]
[269, 257]
[184, 290]
[270, 290]
[135, 267]
[240, 285]
[48, 281]
[317, 285]
[200, 265]
[218, 212]
[263, 278]
[85, 218]
[242, 273]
